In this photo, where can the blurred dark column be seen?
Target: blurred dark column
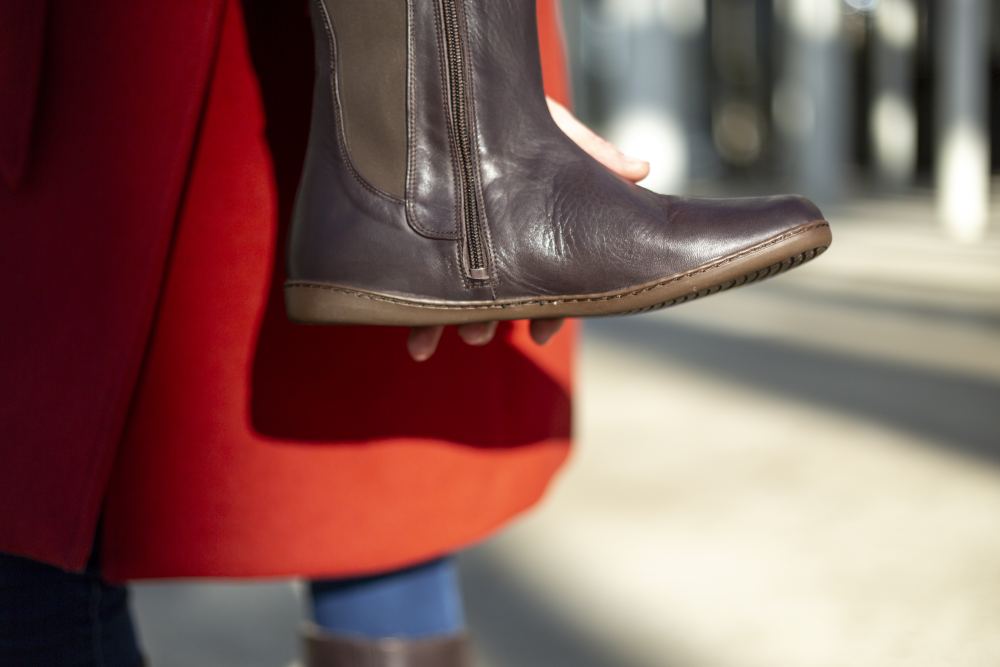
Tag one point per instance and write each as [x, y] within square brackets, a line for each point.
[652, 61]
[892, 120]
[812, 100]
[740, 84]
[994, 112]
[574, 13]
[961, 85]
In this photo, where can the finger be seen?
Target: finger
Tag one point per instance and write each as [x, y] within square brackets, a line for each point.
[607, 154]
[543, 330]
[423, 342]
[477, 334]
[596, 146]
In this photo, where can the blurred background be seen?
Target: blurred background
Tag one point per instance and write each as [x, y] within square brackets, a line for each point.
[805, 474]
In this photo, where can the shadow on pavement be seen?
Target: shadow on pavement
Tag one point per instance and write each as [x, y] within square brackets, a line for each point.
[884, 304]
[952, 409]
[513, 625]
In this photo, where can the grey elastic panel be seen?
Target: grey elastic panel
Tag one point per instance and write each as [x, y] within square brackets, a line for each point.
[371, 45]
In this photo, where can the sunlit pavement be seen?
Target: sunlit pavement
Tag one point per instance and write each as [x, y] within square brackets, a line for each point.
[801, 474]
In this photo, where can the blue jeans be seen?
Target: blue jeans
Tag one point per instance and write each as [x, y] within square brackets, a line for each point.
[417, 602]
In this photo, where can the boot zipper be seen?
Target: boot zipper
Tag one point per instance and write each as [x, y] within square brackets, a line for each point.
[462, 138]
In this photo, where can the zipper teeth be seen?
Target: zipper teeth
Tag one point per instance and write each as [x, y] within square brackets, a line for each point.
[460, 120]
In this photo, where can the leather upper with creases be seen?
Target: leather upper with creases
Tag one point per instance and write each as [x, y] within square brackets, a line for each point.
[557, 222]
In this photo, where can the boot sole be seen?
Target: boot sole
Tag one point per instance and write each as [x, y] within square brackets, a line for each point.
[320, 303]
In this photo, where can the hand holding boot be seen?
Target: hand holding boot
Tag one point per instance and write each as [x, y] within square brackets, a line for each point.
[423, 341]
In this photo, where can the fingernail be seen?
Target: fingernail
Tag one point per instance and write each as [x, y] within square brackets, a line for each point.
[478, 335]
[543, 337]
[478, 338]
[419, 355]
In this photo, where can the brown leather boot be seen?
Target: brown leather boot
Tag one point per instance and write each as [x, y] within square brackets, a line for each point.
[326, 650]
[438, 190]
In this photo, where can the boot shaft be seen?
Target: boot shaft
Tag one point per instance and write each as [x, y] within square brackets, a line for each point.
[426, 95]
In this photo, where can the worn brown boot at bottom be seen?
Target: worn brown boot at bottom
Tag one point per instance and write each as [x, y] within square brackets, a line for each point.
[323, 649]
[437, 189]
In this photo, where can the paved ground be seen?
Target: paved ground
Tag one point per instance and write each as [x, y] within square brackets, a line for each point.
[802, 474]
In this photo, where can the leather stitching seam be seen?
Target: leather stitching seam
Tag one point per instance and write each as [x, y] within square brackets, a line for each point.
[554, 301]
[412, 216]
[494, 280]
[457, 175]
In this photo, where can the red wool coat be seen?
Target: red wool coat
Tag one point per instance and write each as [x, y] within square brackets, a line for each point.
[149, 153]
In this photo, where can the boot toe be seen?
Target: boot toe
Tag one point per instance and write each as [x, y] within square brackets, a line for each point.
[716, 228]
[704, 229]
